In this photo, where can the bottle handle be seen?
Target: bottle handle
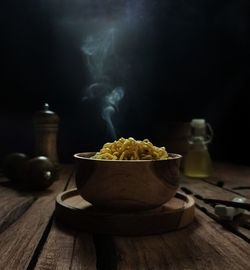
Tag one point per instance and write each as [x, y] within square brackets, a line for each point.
[211, 133]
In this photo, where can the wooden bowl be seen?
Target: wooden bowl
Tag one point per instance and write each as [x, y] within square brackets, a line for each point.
[127, 184]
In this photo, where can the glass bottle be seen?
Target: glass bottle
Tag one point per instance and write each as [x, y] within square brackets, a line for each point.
[197, 162]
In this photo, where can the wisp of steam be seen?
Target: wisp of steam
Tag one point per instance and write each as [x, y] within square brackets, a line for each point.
[99, 49]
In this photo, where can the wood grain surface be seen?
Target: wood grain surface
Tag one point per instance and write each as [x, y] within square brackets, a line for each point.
[201, 189]
[202, 245]
[12, 204]
[31, 239]
[66, 248]
[233, 177]
[22, 238]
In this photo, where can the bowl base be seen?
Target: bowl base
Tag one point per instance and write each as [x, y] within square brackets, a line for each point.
[72, 210]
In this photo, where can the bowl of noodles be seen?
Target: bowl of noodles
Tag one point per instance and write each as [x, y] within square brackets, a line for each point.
[127, 174]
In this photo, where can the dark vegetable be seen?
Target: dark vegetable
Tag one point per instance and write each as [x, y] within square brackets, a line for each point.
[40, 173]
[37, 173]
[14, 166]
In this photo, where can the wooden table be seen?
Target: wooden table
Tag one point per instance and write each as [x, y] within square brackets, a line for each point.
[31, 239]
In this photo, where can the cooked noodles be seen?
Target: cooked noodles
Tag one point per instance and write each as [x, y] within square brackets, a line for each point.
[131, 149]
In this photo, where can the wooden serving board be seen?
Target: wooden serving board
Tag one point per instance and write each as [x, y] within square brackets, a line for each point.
[74, 211]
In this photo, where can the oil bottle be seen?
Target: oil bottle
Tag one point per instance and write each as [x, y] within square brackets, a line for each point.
[197, 162]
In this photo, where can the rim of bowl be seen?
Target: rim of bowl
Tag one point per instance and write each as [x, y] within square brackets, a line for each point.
[78, 156]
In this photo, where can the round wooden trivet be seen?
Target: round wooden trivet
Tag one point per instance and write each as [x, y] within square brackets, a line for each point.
[74, 211]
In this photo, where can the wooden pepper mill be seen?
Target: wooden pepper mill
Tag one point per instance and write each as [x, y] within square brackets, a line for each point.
[45, 124]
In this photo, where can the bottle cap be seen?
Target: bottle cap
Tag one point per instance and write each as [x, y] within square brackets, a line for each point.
[201, 130]
[198, 123]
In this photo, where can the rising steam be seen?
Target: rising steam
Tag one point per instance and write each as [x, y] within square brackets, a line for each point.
[99, 49]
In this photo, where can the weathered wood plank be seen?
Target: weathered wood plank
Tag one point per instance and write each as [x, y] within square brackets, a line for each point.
[202, 245]
[22, 237]
[58, 249]
[207, 190]
[67, 249]
[84, 255]
[12, 206]
[234, 177]
[201, 189]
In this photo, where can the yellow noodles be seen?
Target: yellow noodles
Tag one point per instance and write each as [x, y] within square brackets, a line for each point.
[131, 149]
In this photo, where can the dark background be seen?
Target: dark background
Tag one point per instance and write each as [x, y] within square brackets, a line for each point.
[179, 60]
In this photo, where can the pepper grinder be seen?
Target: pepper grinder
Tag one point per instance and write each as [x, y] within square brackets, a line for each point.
[45, 123]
